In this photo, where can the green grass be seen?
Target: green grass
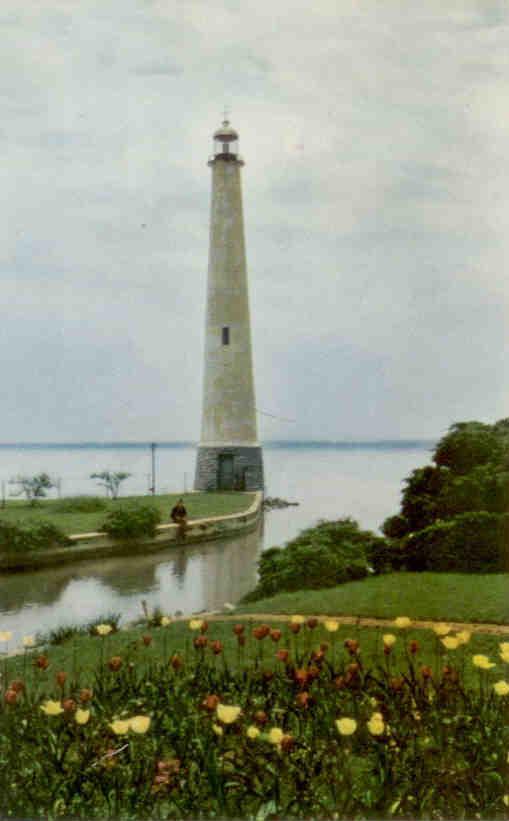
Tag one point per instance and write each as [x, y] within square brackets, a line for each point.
[81, 656]
[448, 596]
[199, 505]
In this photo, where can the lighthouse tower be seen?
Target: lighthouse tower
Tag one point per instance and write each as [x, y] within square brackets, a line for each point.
[229, 454]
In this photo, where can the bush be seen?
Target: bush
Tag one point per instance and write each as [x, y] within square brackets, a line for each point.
[132, 522]
[80, 504]
[323, 556]
[469, 543]
[37, 536]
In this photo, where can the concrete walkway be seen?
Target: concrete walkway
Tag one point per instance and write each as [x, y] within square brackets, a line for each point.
[357, 621]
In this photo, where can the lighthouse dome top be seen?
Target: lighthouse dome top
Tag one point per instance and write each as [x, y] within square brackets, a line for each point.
[226, 133]
[226, 144]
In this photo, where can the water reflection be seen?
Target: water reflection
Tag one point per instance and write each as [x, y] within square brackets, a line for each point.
[188, 579]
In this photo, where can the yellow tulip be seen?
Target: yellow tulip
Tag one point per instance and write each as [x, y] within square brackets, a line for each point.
[139, 724]
[297, 620]
[217, 729]
[402, 622]
[464, 636]
[346, 726]
[52, 708]
[5, 635]
[389, 639]
[103, 629]
[450, 642]
[275, 735]
[29, 641]
[505, 657]
[227, 714]
[505, 799]
[81, 716]
[376, 725]
[165, 621]
[252, 732]
[501, 688]
[120, 726]
[504, 646]
[195, 624]
[441, 629]
[482, 662]
[331, 625]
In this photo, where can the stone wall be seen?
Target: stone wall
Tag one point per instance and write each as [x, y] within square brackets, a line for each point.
[247, 461]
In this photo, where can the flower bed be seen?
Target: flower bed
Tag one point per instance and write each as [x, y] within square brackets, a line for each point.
[290, 722]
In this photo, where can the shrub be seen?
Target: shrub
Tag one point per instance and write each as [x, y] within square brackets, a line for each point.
[80, 504]
[469, 543]
[132, 522]
[323, 556]
[37, 536]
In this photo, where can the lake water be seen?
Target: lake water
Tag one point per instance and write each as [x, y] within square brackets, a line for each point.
[328, 482]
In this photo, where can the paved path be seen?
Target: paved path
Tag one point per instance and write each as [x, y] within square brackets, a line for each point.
[359, 621]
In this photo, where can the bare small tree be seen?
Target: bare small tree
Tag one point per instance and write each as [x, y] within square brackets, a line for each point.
[110, 481]
[33, 487]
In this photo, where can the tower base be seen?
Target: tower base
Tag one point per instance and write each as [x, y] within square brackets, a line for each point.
[229, 468]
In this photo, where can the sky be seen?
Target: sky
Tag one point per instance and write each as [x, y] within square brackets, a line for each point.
[376, 205]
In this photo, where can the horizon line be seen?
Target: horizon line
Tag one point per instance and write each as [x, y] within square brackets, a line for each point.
[138, 443]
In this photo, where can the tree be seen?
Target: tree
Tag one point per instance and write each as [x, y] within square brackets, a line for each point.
[34, 487]
[111, 481]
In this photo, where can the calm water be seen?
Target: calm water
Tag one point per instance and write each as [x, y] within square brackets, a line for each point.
[328, 482]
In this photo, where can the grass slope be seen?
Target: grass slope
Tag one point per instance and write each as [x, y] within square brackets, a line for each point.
[449, 596]
[198, 505]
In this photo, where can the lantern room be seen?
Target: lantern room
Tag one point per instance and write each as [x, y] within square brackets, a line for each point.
[226, 143]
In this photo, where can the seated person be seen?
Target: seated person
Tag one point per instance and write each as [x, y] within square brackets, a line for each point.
[179, 513]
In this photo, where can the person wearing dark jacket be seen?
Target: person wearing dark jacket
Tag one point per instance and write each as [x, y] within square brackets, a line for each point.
[179, 513]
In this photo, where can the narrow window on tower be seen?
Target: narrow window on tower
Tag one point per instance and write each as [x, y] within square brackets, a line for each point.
[226, 336]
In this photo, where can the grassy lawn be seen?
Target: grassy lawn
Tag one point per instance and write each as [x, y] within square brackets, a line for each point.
[454, 596]
[60, 513]
[81, 656]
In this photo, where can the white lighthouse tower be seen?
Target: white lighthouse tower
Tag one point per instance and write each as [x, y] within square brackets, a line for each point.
[229, 454]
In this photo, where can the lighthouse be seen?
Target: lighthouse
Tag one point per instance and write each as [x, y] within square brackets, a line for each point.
[229, 455]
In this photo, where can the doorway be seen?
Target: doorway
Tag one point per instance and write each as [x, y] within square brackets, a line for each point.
[225, 474]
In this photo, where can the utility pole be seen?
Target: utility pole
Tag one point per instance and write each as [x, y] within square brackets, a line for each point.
[153, 460]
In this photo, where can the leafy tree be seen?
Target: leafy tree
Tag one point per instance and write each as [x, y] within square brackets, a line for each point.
[34, 487]
[111, 481]
[469, 444]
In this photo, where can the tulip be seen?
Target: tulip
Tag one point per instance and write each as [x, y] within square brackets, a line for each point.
[450, 642]
[426, 672]
[482, 662]
[85, 695]
[147, 640]
[81, 716]
[389, 640]
[287, 743]
[42, 662]
[216, 647]
[275, 735]
[501, 688]
[204, 626]
[297, 620]
[139, 724]
[17, 685]
[239, 629]
[176, 661]
[302, 699]
[331, 625]
[227, 714]
[210, 703]
[195, 624]
[241, 641]
[52, 708]
[402, 622]
[295, 627]
[103, 629]
[261, 632]
[61, 678]
[312, 622]
[165, 621]
[120, 726]
[414, 647]
[275, 635]
[29, 641]
[282, 655]
[5, 635]
[69, 705]
[200, 642]
[115, 663]
[10, 697]
[252, 732]
[261, 717]
[346, 726]
[441, 629]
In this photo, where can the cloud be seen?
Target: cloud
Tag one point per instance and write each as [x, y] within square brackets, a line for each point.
[375, 202]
